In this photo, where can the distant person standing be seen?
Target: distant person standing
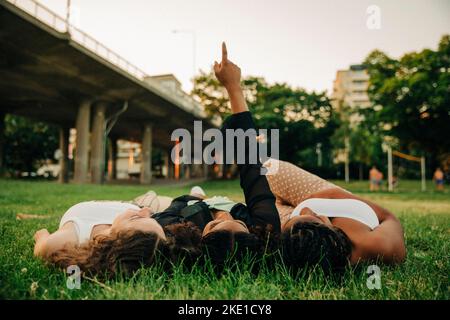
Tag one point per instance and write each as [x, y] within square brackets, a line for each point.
[375, 177]
[438, 178]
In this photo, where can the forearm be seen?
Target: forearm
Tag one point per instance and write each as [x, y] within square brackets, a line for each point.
[237, 99]
[393, 233]
[386, 243]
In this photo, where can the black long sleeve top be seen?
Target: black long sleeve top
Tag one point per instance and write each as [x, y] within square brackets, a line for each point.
[258, 196]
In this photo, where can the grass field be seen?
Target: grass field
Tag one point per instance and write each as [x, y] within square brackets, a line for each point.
[425, 275]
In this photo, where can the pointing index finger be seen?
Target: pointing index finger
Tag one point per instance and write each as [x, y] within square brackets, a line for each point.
[224, 53]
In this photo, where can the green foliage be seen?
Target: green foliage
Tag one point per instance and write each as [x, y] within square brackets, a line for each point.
[413, 98]
[27, 142]
[211, 94]
[364, 137]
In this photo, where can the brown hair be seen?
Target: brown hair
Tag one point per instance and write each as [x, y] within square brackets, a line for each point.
[108, 255]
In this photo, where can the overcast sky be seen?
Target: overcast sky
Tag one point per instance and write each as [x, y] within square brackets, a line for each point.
[299, 42]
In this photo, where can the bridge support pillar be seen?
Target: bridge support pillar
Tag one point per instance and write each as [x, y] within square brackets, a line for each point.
[146, 163]
[64, 160]
[82, 144]
[98, 144]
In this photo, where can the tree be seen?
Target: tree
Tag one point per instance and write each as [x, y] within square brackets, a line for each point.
[27, 142]
[211, 94]
[412, 98]
[357, 125]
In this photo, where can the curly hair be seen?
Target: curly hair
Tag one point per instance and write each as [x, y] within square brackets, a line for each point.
[183, 243]
[309, 244]
[221, 245]
[108, 255]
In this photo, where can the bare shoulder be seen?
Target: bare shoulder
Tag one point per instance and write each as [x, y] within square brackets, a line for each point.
[339, 193]
[333, 193]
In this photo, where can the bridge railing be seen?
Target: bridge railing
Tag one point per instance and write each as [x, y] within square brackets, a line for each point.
[62, 25]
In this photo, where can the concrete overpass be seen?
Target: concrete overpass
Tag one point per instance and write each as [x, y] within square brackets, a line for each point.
[54, 72]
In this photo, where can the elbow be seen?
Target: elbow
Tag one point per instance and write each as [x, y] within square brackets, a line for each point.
[400, 254]
[395, 254]
[385, 250]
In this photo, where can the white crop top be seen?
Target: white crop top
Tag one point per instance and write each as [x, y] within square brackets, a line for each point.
[340, 208]
[86, 215]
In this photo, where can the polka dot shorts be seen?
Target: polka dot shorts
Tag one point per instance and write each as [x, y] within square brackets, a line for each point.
[291, 185]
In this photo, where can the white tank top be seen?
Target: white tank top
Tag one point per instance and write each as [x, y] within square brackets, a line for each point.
[340, 208]
[86, 215]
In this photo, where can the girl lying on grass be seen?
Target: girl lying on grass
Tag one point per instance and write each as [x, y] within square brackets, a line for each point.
[102, 237]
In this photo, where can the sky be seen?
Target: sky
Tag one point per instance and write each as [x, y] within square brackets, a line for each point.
[302, 43]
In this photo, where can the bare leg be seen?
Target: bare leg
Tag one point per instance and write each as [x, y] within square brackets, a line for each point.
[284, 210]
[153, 201]
[25, 216]
[291, 184]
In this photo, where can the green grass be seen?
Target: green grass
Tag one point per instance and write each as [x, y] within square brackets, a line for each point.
[425, 275]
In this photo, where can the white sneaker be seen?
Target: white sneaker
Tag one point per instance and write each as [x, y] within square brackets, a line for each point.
[196, 190]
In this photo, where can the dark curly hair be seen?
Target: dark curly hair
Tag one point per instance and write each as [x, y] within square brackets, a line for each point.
[108, 255]
[221, 245]
[183, 243]
[309, 244]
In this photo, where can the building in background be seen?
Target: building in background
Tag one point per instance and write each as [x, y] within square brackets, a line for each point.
[128, 163]
[350, 88]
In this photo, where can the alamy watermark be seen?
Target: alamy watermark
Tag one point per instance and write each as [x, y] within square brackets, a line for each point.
[74, 279]
[374, 280]
[373, 21]
[229, 146]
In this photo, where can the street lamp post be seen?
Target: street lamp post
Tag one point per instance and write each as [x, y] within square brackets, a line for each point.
[319, 154]
[194, 48]
[347, 156]
[68, 16]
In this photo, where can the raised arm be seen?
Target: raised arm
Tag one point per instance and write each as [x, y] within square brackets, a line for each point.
[229, 76]
[258, 197]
